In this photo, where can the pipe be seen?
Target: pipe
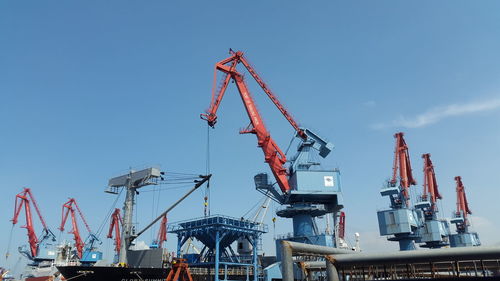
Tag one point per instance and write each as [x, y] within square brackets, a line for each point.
[313, 249]
[434, 255]
[288, 248]
[286, 261]
[331, 270]
[345, 257]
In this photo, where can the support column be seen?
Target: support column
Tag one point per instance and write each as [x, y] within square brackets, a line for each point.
[407, 245]
[254, 256]
[127, 224]
[331, 270]
[217, 255]
[286, 261]
[179, 245]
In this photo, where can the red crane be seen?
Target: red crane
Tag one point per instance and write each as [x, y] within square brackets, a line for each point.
[67, 209]
[116, 222]
[23, 199]
[430, 184]
[272, 153]
[402, 163]
[462, 205]
[162, 232]
[341, 233]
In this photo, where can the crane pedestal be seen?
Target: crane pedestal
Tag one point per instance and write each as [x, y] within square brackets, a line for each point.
[464, 240]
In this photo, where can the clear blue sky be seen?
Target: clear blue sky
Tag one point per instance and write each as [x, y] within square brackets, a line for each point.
[91, 88]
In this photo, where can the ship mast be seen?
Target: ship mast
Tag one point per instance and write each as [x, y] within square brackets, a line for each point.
[131, 182]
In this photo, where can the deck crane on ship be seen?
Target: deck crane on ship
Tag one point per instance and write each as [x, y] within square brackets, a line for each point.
[40, 249]
[115, 226]
[305, 190]
[435, 232]
[85, 251]
[161, 236]
[401, 221]
[464, 237]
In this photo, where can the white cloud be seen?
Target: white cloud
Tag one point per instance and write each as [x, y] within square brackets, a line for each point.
[436, 114]
[486, 228]
[371, 241]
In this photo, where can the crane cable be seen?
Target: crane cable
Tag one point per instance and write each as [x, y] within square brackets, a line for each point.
[206, 198]
[7, 254]
[104, 222]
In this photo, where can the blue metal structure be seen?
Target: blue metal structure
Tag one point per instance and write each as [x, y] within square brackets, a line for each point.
[403, 224]
[46, 251]
[218, 233]
[464, 237]
[90, 253]
[434, 232]
[314, 192]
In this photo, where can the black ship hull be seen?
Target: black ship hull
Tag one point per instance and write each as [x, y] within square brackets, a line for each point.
[108, 273]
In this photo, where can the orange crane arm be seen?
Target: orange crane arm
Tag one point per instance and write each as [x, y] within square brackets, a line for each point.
[462, 205]
[234, 59]
[162, 232]
[116, 221]
[430, 182]
[402, 163]
[272, 153]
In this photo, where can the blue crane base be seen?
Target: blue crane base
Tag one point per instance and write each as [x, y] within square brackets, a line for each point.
[464, 239]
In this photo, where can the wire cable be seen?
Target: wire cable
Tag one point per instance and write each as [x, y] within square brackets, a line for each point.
[206, 197]
[101, 227]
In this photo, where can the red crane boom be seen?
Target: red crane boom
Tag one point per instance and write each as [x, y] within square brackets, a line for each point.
[67, 209]
[402, 163]
[272, 153]
[23, 199]
[462, 205]
[162, 232]
[116, 222]
[430, 183]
